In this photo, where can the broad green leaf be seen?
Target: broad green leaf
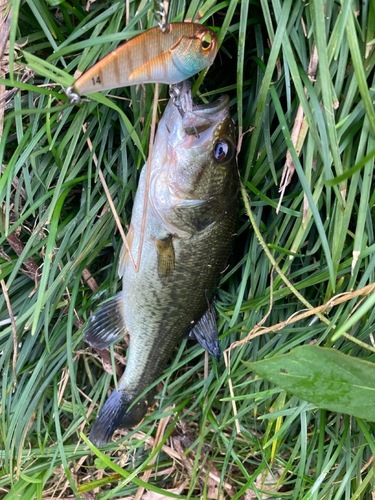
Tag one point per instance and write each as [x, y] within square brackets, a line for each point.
[325, 377]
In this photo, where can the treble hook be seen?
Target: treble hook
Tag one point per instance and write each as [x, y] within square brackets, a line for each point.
[174, 93]
[161, 16]
[73, 97]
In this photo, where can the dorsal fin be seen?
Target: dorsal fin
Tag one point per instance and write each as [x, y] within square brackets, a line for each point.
[107, 325]
[205, 331]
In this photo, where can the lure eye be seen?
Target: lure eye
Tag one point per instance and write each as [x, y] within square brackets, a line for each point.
[206, 41]
[221, 150]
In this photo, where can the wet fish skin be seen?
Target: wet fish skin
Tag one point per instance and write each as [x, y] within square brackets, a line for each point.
[190, 223]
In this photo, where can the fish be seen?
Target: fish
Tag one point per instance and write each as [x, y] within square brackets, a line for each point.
[190, 225]
[152, 56]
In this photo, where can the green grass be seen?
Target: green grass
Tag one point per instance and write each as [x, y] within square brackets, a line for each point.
[55, 207]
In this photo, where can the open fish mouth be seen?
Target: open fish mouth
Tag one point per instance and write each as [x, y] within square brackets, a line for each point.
[199, 117]
[183, 91]
[212, 107]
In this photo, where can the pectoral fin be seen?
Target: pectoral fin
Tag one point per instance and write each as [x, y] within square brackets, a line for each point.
[206, 333]
[166, 258]
[107, 325]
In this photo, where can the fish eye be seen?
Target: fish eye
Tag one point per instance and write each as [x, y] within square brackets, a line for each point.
[206, 41]
[221, 150]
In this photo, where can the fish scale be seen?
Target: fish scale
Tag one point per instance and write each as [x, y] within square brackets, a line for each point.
[194, 282]
[187, 241]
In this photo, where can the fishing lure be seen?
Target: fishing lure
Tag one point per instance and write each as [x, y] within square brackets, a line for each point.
[151, 57]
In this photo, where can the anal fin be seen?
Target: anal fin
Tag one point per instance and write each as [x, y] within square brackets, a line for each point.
[107, 325]
[205, 331]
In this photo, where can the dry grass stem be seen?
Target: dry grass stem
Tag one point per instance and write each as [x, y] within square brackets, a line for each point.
[298, 316]
[14, 330]
[5, 19]
[110, 201]
[231, 392]
[107, 364]
[15, 181]
[159, 436]
[150, 441]
[205, 364]
[369, 462]
[63, 383]
[298, 133]
[148, 174]
[91, 282]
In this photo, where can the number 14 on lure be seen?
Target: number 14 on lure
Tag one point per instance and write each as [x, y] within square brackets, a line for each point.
[151, 57]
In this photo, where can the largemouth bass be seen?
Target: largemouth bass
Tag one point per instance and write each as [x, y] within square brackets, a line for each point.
[152, 56]
[191, 219]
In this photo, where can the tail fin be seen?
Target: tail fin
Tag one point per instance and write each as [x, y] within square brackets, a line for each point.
[114, 414]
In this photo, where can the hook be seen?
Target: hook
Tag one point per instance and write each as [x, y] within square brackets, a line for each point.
[161, 16]
[73, 97]
[174, 93]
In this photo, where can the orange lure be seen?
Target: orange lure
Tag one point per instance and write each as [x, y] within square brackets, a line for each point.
[152, 56]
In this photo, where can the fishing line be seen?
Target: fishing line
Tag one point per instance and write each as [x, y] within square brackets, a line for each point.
[148, 176]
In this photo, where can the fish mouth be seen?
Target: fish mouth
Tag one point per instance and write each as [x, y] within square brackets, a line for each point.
[213, 107]
[197, 118]
[184, 91]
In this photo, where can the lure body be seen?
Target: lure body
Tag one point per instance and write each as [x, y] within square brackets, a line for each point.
[191, 219]
[152, 56]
